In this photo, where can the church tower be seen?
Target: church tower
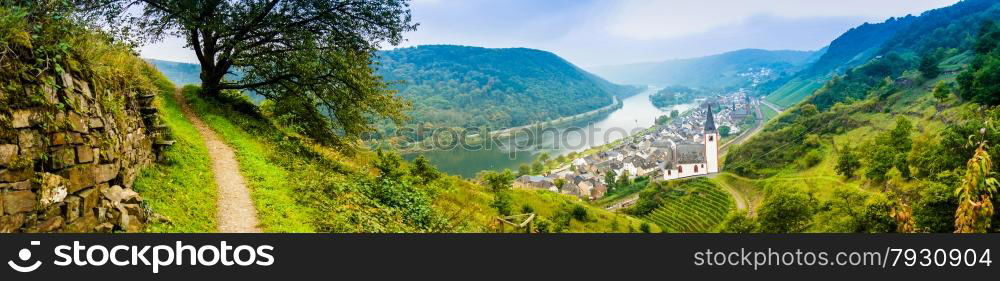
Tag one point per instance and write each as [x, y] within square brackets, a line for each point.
[711, 143]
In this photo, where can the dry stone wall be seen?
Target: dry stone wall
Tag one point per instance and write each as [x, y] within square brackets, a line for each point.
[69, 155]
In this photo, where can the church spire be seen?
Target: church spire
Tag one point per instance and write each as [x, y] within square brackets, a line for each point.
[709, 120]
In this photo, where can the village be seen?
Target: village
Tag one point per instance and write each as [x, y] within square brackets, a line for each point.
[684, 146]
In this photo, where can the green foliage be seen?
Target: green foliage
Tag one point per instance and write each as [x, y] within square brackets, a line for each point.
[559, 183]
[929, 66]
[524, 169]
[694, 205]
[941, 91]
[785, 210]
[502, 202]
[739, 222]
[721, 71]
[724, 131]
[644, 227]
[580, 213]
[676, 95]
[935, 212]
[312, 61]
[981, 81]
[498, 181]
[464, 87]
[424, 171]
[847, 162]
[975, 194]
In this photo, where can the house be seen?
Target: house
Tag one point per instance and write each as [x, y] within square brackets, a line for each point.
[539, 182]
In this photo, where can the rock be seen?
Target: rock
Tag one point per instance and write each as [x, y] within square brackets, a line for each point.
[23, 185]
[106, 172]
[84, 88]
[8, 153]
[90, 198]
[76, 122]
[84, 154]
[61, 157]
[18, 201]
[49, 94]
[47, 225]
[11, 223]
[158, 218]
[86, 223]
[30, 143]
[23, 118]
[67, 81]
[53, 189]
[60, 138]
[16, 175]
[73, 207]
[104, 228]
[80, 177]
[96, 123]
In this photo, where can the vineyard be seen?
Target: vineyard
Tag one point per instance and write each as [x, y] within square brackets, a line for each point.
[698, 206]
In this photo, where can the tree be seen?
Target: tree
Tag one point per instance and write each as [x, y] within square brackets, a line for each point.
[313, 56]
[785, 211]
[544, 157]
[559, 183]
[498, 181]
[929, 66]
[935, 211]
[537, 167]
[724, 131]
[424, 170]
[609, 179]
[674, 113]
[644, 227]
[847, 162]
[975, 194]
[580, 213]
[389, 164]
[881, 159]
[624, 180]
[941, 91]
[524, 169]
[739, 222]
[527, 209]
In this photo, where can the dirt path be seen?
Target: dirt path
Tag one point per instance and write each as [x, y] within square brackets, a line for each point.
[235, 211]
[741, 201]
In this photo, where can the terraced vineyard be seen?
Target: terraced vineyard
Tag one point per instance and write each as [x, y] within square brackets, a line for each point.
[698, 206]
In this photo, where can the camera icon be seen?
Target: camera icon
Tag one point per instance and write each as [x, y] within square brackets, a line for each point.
[25, 255]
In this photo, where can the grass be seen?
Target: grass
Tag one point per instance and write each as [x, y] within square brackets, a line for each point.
[793, 92]
[272, 195]
[696, 207]
[768, 113]
[183, 187]
[548, 204]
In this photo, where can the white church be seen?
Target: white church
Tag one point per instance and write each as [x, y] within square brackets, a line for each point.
[699, 157]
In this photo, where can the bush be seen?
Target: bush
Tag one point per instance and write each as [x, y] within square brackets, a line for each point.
[580, 213]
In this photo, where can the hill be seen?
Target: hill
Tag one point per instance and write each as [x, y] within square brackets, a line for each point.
[741, 68]
[939, 28]
[179, 73]
[460, 86]
[883, 147]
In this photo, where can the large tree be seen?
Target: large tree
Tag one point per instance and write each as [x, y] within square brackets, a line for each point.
[313, 56]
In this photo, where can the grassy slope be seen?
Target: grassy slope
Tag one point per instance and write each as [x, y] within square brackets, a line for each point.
[182, 188]
[793, 92]
[547, 204]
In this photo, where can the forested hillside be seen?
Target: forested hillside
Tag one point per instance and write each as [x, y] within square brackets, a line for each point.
[459, 86]
[886, 147]
[932, 32]
[734, 69]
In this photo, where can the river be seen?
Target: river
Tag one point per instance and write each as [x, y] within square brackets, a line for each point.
[636, 113]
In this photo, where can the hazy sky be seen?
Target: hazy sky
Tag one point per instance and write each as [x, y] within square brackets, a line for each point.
[603, 32]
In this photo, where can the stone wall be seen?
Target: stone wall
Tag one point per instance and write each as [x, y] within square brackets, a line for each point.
[69, 155]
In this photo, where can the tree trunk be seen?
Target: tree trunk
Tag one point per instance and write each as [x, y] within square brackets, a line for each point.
[210, 83]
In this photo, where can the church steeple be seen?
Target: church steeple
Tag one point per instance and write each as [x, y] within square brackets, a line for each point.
[709, 120]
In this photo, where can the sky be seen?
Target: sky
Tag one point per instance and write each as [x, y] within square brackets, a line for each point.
[592, 33]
